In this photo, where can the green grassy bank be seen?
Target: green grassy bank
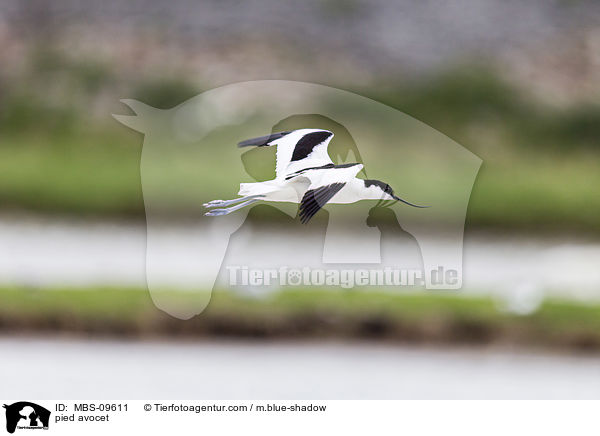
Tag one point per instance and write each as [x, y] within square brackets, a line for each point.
[425, 318]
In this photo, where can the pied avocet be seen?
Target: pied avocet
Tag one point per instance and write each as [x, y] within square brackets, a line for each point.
[305, 174]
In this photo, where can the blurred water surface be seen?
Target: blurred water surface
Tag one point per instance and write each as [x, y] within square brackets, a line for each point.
[43, 252]
[139, 370]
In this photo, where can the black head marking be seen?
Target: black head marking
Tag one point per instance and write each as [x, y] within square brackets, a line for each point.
[383, 186]
[388, 190]
[308, 142]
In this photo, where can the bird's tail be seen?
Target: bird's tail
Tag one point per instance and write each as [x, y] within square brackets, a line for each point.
[245, 188]
[257, 188]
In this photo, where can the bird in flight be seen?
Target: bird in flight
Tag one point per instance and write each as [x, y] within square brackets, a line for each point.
[305, 174]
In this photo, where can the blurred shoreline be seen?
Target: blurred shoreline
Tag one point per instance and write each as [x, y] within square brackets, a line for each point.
[432, 318]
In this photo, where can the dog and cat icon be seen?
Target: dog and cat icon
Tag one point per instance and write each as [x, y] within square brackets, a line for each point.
[26, 415]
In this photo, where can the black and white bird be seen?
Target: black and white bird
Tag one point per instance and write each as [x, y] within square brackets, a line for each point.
[305, 174]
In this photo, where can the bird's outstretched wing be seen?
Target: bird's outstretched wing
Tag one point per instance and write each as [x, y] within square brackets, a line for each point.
[315, 199]
[296, 150]
[325, 183]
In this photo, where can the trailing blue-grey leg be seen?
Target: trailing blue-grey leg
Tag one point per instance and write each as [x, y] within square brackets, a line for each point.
[219, 212]
[216, 203]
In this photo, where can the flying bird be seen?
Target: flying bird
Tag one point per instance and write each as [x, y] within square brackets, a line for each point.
[305, 174]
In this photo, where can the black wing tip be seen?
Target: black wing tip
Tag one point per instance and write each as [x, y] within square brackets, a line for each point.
[305, 145]
[262, 141]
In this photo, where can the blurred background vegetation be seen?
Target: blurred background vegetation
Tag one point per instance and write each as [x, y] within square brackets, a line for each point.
[62, 153]
[526, 103]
